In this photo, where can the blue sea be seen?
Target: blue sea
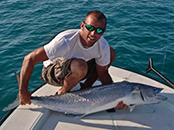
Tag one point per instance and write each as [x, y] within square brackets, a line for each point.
[136, 29]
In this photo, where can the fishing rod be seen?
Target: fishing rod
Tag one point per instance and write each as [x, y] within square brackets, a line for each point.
[150, 67]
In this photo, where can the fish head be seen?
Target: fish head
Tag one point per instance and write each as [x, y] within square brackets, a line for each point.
[150, 94]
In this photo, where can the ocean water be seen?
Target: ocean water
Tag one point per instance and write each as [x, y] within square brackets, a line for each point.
[136, 29]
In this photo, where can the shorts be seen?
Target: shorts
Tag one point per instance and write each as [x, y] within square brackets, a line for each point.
[54, 74]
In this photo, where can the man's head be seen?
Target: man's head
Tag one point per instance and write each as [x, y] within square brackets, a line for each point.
[92, 28]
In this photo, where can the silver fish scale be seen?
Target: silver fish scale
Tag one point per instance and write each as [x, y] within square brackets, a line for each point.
[78, 102]
[98, 98]
[67, 102]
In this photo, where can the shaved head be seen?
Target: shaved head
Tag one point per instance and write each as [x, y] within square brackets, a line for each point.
[97, 14]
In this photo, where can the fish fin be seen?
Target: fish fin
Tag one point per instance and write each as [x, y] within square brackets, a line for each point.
[13, 105]
[17, 78]
[136, 90]
[79, 117]
[132, 106]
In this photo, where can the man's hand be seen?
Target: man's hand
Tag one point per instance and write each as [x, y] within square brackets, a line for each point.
[24, 97]
[121, 106]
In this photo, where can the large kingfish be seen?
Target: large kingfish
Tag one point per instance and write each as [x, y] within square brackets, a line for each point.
[98, 98]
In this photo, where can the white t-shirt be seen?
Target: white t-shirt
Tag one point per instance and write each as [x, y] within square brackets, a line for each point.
[67, 45]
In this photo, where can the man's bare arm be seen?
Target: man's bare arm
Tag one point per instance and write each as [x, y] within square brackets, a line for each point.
[105, 78]
[103, 74]
[29, 61]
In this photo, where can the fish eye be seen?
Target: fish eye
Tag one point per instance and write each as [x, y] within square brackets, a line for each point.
[154, 89]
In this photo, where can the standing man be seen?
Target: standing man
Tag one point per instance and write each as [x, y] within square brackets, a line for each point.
[71, 56]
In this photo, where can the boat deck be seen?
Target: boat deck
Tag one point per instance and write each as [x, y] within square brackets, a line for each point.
[156, 116]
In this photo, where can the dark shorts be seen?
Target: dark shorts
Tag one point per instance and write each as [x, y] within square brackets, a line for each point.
[54, 74]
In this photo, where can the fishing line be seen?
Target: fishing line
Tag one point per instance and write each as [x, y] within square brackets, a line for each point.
[164, 59]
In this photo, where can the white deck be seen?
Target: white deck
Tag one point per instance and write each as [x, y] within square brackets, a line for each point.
[157, 116]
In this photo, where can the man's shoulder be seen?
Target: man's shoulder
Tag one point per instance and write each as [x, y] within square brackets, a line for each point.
[103, 43]
[103, 40]
[69, 33]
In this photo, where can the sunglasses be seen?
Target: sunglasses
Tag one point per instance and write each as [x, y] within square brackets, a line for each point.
[92, 28]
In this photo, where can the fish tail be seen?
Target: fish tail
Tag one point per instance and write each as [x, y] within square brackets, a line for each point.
[79, 117]
[17, 78]
[15, 103]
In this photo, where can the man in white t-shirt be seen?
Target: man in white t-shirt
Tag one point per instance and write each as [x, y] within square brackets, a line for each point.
[71, 56]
